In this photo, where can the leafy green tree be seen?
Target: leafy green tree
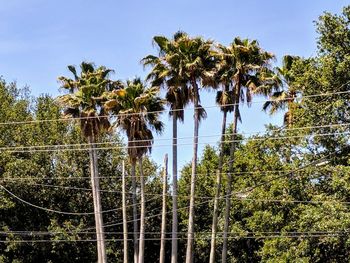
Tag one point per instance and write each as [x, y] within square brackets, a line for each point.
[327, 74]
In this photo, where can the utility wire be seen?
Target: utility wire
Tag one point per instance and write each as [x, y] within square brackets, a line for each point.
[204, 202]
[168, 239]
[15, 179]
[211, 197]
[248, 190]
[171, 110]
[239, 198]
[33, 147]
[58, 240]
[63, 212]
[241, 233]
[9, 149]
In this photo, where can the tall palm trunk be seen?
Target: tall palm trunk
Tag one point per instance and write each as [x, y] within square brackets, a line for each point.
[230, 171]
[218, 191]
[190, 231]
[289, 125]
[290, 115]
[175, 220]
[95, 184]
[125, 222]
[163, 227]
[134, 211]
[142, 214]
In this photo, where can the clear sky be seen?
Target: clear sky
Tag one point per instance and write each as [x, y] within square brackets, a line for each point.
[39, 38]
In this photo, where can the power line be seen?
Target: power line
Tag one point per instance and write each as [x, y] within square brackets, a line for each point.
[152, 216]
[15, 179]
[241, 233]
[171, 110]
[239, 198]
[55, 178]
[210, 197]
[58, 240]
[34, 147]
[168, 239]
[89, 213]
[234, 193]
[9, 149]
[108, 225]
[72, 188]
[63, 212]
[258, 237]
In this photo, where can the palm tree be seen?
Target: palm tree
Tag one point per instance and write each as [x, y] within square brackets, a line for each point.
[138, 110]
[193, 60]
[224, 98]
[83, 102]
[285, 98]
[177, 97]
[252, 76]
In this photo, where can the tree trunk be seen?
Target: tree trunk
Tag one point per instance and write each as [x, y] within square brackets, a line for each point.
[290, 111]
[163, 227]
[125, 222]
[95, 184]
[218, 191]
[229, 174]
[134, 211]
[190, 231]
[175, 221]
[142, 215]
[289, 126]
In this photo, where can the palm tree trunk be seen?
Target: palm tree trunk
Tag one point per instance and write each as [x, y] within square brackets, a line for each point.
[125, 224]
[175, 220]
[291, 111]
[218, 191]
[229, 174]
[163, 227]
[134, 211]
[190, 231]
[95, 184]
[142, 215]
[289, 125]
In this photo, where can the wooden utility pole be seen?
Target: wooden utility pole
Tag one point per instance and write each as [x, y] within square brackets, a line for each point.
[125, 222]
[163, 227]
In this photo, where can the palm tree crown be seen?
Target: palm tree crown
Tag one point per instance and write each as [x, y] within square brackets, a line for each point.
[250, 70]
[165, 74]
[138, 110]
[84, 98]
[286, 97]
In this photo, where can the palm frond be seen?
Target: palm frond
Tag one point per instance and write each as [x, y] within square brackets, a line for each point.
[202, 114]
[87, 67]
[72, 69]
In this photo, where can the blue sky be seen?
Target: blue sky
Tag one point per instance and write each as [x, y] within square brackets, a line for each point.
[39, 38]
